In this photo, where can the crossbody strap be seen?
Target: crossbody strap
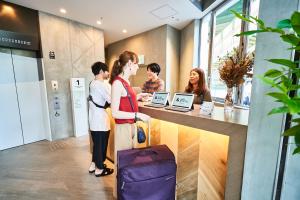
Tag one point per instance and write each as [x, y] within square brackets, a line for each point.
[90, 98]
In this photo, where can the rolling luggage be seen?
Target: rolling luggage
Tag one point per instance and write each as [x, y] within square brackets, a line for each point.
[146, 173]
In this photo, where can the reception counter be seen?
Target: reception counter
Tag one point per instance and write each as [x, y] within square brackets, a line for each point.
[209, 150]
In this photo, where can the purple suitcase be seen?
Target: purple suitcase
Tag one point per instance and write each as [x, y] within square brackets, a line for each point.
[146, 174]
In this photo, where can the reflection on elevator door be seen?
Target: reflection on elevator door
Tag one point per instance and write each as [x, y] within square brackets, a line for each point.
[22, 117]
[10, 124]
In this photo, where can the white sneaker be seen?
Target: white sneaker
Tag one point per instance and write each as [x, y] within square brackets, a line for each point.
[92, 168]
[98, 172]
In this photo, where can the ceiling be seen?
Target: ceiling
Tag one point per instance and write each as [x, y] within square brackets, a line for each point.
[136, 16]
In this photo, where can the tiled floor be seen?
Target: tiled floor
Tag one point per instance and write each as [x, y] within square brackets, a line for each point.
[51, 170]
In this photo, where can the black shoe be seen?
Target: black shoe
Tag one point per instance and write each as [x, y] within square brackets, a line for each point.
[92, 170]
[105, 172]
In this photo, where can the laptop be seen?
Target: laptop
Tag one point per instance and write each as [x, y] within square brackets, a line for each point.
[182, 102]
[159, 100]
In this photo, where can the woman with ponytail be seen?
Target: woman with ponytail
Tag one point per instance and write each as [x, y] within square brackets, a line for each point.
[124, 104]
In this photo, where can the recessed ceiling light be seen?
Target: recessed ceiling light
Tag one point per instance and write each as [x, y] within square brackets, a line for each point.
[124, 31]
[62, 10]
[99, 22]
[7, 10]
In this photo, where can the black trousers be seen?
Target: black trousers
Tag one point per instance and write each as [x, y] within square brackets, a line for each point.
[100, 140]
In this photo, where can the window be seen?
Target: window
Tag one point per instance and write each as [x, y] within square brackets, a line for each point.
[253, 11]
[224, 25]
[204, 43]
[251, 41]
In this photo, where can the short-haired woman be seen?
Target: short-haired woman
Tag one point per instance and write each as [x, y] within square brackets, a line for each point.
[154, 83]
[197, 86]
[124, 104]
[98, 118]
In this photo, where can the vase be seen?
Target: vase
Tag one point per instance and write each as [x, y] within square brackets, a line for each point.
[228, 104]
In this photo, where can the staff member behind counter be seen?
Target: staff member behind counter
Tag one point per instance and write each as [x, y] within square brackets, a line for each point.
[154, 83]
[198, 86]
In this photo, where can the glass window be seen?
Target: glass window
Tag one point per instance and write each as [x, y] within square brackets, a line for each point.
[253, 11]
[226, 25]
[251, 41]
[204, 43]
[222, 41]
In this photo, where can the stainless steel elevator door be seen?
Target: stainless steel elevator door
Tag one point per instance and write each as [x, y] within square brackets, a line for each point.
[10, 125]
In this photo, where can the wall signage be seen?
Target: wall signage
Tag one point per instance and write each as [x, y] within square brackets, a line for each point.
[20, 41]
[19, 27]
[51, 55]
[79, 106]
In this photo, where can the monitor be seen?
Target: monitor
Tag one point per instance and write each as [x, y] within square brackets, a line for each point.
[183, 100]
[160, 98]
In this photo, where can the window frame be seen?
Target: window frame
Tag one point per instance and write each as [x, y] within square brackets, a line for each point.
[242, 43]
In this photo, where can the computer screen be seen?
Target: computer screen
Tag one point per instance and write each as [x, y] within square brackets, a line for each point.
[160, 97]
[183, 100]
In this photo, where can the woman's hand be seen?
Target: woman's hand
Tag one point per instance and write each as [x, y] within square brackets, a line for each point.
[143, 96]
[143, 117]
[139, 97]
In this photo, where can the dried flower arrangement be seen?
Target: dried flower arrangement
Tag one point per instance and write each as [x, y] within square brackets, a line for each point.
[234, 66]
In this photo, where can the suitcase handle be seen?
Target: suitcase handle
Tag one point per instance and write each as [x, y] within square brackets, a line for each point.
[146, 152]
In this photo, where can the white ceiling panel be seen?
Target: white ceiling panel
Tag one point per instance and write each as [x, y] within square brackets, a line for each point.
[135, 16]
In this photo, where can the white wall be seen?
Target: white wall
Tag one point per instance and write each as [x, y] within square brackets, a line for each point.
[189, 52]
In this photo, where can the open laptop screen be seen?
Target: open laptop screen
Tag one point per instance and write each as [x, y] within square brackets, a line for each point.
[160, 98]
[183, 100]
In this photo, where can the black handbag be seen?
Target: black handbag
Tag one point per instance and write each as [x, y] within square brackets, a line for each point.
[141, 136]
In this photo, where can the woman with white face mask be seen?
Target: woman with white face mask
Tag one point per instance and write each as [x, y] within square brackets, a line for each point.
[124, 111]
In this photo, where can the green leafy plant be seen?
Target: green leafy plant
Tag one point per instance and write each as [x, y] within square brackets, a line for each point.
[281, 78]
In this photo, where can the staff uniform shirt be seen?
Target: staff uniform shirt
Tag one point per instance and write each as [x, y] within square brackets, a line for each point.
[199, 98]
[98, 117]
[153, 86]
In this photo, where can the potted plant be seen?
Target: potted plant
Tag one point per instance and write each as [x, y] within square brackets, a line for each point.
[234, 67]
[284, 80]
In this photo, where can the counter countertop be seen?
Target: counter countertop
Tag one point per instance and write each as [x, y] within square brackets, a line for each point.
[217, 122]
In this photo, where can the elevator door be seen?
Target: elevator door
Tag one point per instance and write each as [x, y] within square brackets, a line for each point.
[10, 122]
[22, 117]
[29, 95]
